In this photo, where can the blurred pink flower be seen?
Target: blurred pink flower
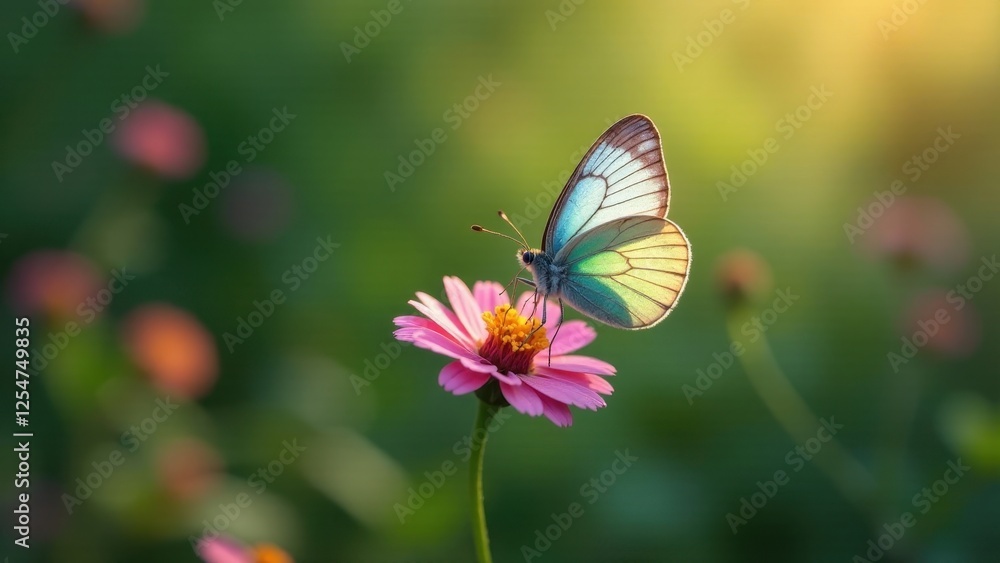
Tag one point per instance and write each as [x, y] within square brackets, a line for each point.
[54, 282]
[918, 231]
[188, 468]
[950, 331]
[742, 276]
[173, 348]
[224, 550]
[111, 16]
[492, 343]
[163, 139]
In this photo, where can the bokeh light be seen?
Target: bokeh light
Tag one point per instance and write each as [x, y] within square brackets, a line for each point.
[162, 139]
[841, 153]
[172, 348]
[52, 282]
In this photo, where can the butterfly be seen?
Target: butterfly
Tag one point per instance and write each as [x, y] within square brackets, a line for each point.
[608, 249]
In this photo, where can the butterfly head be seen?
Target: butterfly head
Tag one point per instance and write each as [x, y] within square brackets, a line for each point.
[527, 257]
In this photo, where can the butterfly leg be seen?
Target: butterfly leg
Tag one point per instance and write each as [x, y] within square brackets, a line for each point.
[531, 284]
[513, 282]
[545, 311]
[556, 333]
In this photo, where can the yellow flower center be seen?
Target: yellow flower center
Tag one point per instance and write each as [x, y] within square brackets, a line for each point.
[267, 553]
[512, 340]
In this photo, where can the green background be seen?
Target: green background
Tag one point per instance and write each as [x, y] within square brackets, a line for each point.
[565, 71]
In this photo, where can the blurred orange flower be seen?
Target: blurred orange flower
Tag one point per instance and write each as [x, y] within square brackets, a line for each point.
[173, 348]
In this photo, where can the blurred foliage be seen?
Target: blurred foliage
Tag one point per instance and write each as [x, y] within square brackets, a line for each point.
[315, 251]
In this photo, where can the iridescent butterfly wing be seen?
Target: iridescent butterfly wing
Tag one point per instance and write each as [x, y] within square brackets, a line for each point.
[625, 263]
[627, 273]
[621, 175]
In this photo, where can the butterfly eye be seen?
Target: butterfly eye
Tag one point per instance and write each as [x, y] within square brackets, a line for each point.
[528, 257]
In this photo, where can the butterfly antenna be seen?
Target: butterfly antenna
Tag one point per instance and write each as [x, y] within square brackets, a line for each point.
[480, 229]
[516, 230]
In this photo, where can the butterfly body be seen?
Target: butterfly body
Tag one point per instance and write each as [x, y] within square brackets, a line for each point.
[608, 248]
[548, 276]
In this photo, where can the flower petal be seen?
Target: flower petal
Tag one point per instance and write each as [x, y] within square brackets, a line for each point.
[483, 366]
[522, 398]
[590, 381]
[465, 307]
[223, 550]
[572, 336]
[460, 380]
[410, 321]
[584, 364]
[488, 295]
[568, 392]
[556, 412]
[433, 341]
[435, 311]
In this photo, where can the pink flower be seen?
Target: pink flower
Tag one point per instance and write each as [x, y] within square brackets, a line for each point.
[939, 323]
[162, 139]
[919, 231]
[225, 550]
[495, 345]
[111, 16]
[743, 276]
[55, 282]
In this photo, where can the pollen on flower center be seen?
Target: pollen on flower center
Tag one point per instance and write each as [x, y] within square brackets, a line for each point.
[512, 340]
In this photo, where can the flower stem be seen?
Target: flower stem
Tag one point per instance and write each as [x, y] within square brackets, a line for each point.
[479, 533]
[791, 411]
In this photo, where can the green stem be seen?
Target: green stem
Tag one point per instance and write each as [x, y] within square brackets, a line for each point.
[850, 477]
[479, 533]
